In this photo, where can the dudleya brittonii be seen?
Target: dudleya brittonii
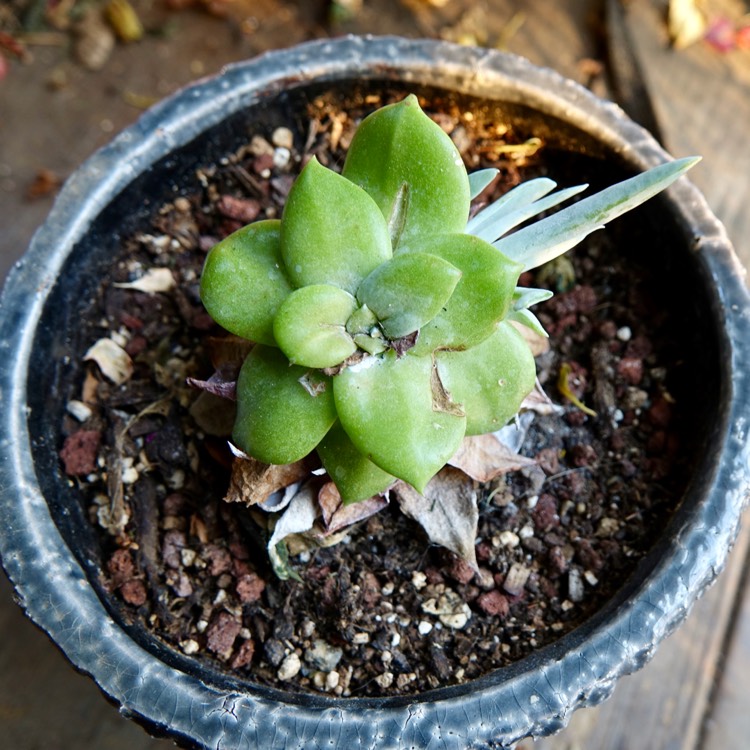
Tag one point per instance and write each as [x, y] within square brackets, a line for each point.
[384, 320]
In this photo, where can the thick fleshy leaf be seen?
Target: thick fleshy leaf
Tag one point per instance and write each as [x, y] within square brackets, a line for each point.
[332, 232]
[489, 380]
[412, 169]
[480, 179]
[502, 224]
[244, 281]
[547, 238]
[389, 410]
[283, 410]
[310, 326]
[518, 197]
[408, 291]
[356, 477]
[481, 298]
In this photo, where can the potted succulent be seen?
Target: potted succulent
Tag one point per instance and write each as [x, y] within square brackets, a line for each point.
[49, 548]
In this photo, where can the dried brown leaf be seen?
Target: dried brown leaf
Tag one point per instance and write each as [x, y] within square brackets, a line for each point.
[253, 481]
[337, 516]
[485, 457]
[447, 511]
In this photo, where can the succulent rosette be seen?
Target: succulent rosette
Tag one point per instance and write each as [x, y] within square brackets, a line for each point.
[383, 318]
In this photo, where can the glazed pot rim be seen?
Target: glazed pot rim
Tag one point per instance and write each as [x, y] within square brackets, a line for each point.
[545, 686]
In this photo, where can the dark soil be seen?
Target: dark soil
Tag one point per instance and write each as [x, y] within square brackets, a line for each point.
[383, 613]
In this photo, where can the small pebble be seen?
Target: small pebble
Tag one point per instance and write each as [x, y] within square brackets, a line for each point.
[283, 138]
[79, 410]
[575, 585]
[385, 680]
[289, 668]
[624, 333]
[418, 579]
[516, 579]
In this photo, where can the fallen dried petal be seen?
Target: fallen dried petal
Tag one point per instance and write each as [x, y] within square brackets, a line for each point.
[154, 280]
[113, 360]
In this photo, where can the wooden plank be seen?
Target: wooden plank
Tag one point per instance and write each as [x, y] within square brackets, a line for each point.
[662, 706]
[702, 101]
[728, 722]
[44, 703]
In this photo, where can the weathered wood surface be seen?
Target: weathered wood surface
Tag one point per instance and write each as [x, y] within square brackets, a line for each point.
[693, 695]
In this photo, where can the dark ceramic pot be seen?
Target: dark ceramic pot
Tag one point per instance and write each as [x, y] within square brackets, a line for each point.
[45, 540]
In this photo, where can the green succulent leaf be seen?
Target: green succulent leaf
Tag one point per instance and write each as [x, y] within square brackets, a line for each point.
[413, 171]
[283, 410]
[510, 219]
[481, 298]
[516, 198]
[480, 179]
[244, 281]
[310, 326]
[489, 380]
[390, 410]
[408, 291]
[355, 476]
[332, 232]
[547, 238]
[528, 319]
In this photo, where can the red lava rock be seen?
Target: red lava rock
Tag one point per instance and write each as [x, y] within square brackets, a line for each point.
[239, 209]
[545, 513]
[222, 632]
[136, 345]
[434, 575]
[608, 330]
[174, 504]
[134, 592]
[250, 588]
[182, 586]
[174, 542]
[583, 455]
[244, 654]
[588, 556]
[630, 369]
[461, 571]
[494, 603]
[79, 452]
[639, 347]
[657, 442]
[370, 588]
[262, 163]
[660, 413]
[219, 559]
[121, 567]
[240, 568]
[131, 321]
[558, 560]
[549, 460]
[239, 551]
[484, 551]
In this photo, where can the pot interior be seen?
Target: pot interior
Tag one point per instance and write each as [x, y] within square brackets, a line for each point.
[652, 237]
